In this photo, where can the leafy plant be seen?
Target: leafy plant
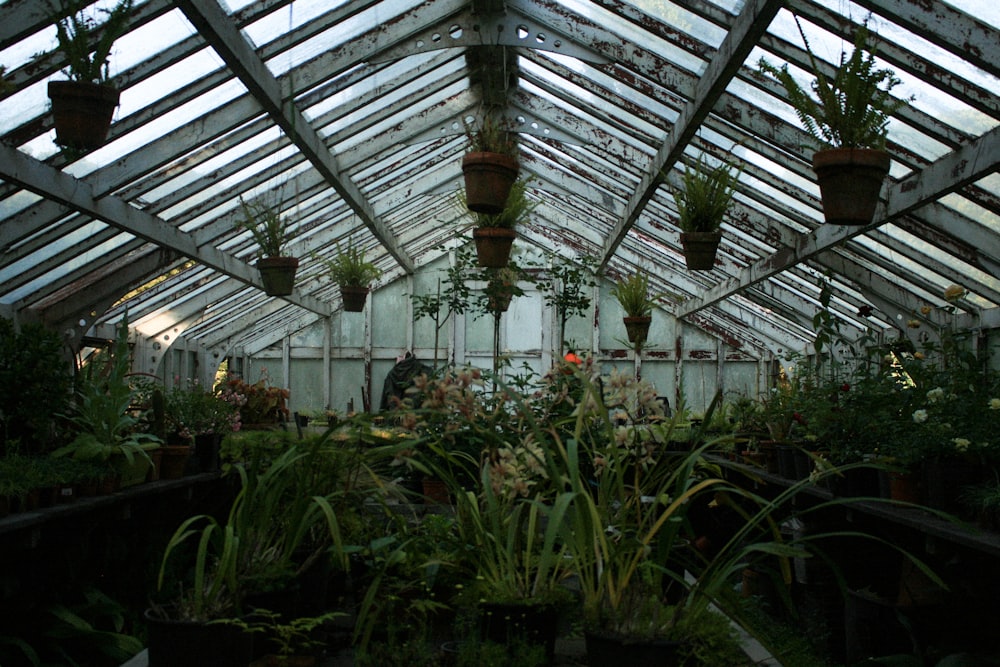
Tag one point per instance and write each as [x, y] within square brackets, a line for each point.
[293, 638]
[452, 298]
[852, 109]
[76, 32]
[281, 521]
[516, 211]
[703, 200]
[350, 268]
[569, 295]
[34, 385]
[264, 221]
[491, 137]
[105, 410]
[633, 295]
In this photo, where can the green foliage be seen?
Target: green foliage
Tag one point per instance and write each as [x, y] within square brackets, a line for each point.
[292, 638]
[348, 268]
[516, 211]
[452, 297]
[852, 109]
[491, 137]
[107, 416]
[633, 295]
[76, 32]
[82, 629]
[502, 285]
[473, 653]
[280, 522]
[34, 386]
[264, 221]
[703, 200]
[569, 290]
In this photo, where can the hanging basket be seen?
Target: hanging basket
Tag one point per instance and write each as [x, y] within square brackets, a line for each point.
[488, 180]
[82, 113]
[850, 180]
[493, 245]
[637, 328]
[700, 249]
[354, 297]
[278, 274]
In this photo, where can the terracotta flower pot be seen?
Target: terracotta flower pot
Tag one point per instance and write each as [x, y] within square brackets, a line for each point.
[82, 112]
[493, 245]
[354, 297]
[488, 180]
[637, 328]
[278, 274]
[700, 249]
[850, 180]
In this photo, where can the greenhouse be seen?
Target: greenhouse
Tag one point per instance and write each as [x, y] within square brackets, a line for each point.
[447, 332]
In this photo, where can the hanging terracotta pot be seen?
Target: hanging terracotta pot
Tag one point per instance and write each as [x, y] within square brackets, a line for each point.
[82, 112]
[354, 297]
[500, 300]
[278, 274]
[493, 245]
[850, 180]
[637, 328]
[488, 180]
[700, 249]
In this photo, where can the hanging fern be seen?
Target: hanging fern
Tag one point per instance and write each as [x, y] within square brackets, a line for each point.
[89, 64]
[849, 110]
[703, 200]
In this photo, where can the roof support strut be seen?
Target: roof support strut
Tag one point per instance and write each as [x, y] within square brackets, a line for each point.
[218, 30]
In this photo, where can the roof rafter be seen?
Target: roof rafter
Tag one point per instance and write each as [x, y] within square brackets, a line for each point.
[215, 27]
[949, 173]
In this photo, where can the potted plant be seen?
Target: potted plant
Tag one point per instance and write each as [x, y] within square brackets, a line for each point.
[490, 167]
[629, 533]
[516, 558]
[848, 116]
[349, 269]
[633, 296]
[269, 229]
[82, 107]
[108, 428]
[278, 526]
[494, 233]
[702, 202]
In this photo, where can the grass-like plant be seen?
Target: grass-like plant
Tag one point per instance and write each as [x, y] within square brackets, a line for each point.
[87, 60]
[491, 137]
[517, 210]
[633, 295]
[849, 110]
[265, 222]
[705, 197]
[349, 268]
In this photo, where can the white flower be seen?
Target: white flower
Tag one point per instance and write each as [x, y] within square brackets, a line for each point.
[935, 395]
[961, 444]
[995, 404]
[920, 416]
